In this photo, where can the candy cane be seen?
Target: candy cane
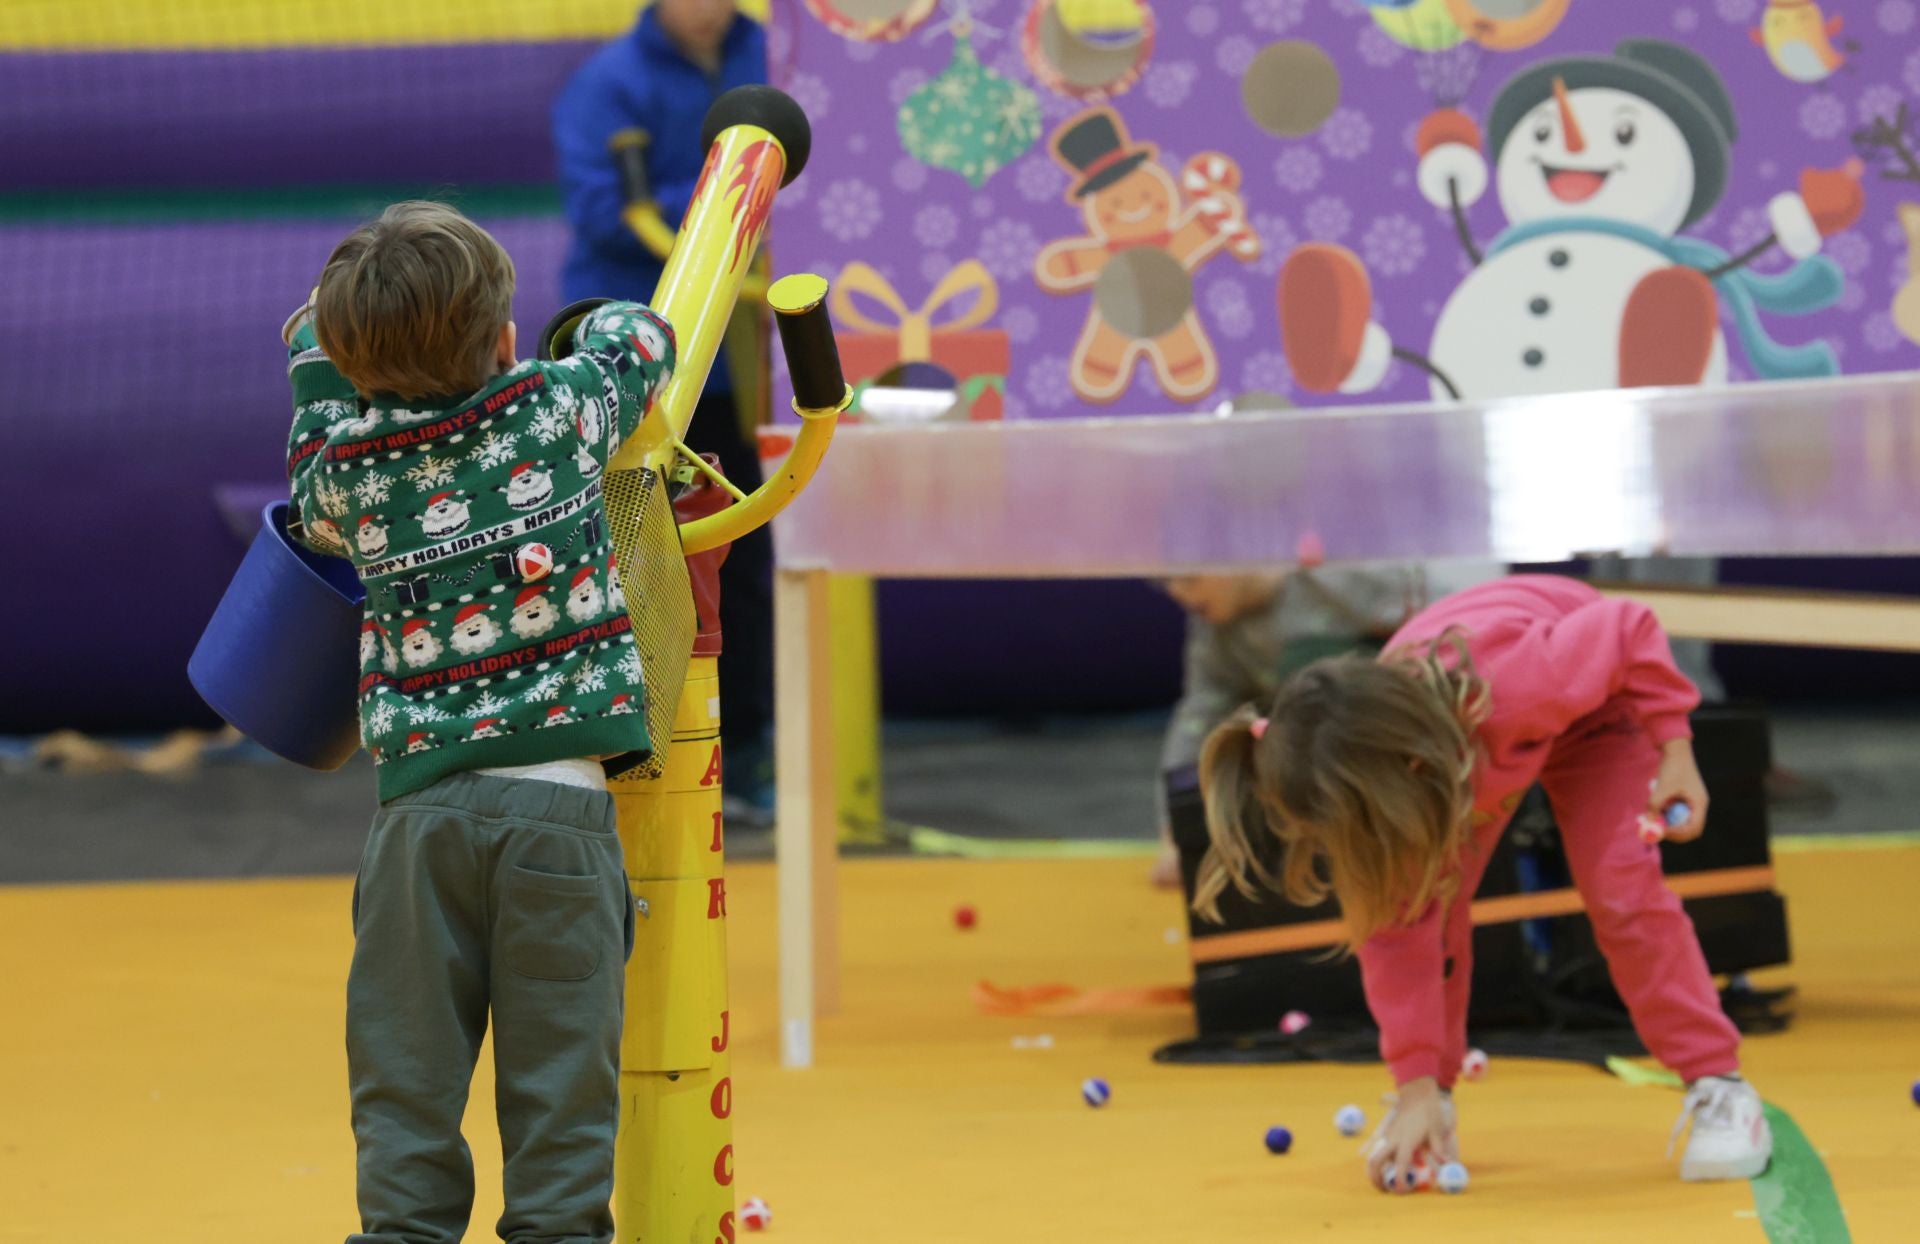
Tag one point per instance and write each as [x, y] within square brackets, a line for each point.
[1210, 181]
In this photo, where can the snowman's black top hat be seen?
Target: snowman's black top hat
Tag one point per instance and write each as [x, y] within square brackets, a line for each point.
[1674, 79]
[1094, 145]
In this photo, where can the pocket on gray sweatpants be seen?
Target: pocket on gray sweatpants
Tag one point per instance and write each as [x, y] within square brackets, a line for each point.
[549, 924]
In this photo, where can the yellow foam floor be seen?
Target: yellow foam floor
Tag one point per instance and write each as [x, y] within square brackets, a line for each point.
[171, 1069]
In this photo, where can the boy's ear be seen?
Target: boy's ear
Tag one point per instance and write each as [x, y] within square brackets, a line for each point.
[503, 349]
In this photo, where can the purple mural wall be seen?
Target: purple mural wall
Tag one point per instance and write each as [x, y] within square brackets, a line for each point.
[1243, 197]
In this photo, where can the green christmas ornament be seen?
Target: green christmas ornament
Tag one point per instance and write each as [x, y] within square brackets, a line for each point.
[969, 120]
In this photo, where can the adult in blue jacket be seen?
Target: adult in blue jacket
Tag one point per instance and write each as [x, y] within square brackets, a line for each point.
[661, 77]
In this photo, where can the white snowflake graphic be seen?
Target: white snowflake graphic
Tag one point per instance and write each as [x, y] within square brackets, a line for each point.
[934, 265]
[1048, 383]
[1823, 116]
[333, 410]
[935, 226]
[380, 720]
[332, 498]
[1393, 245]
[1276, 16]
[1297, 169]
[1021, 324]
[1876, 102]
[1378, 48]
[628, 666]
[1739, 12]
[373, 488]
[1007, 247]
[1748, 228]
[1346, 134]
[811, 93]
[1327, 219]
[857, 50]
[1202, 20]
[488, 705]
[908, 175]
[424, 714]
[1685, 19]
[1851, 251]
[1278, 239]
[850, 209]
[1852, 298]
[548, 426]
[1266, 372]
[494, 449]
[1039, 179]
[1895, 16]
[430, 472]
[590, 677]
[1228, 309]
[905, 83]
[1168, 85]
[1233, 54]
[548, 687]
[1881, 334]
[1910, 73]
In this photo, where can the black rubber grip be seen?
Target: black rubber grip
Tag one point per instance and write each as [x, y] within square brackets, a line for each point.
[556, 339]
[813, 358]
[629, 149]
[773, 111]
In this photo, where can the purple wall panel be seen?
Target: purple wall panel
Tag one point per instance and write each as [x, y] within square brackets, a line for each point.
[472, 114]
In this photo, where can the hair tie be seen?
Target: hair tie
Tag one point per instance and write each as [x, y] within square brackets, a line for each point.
[1258, 728]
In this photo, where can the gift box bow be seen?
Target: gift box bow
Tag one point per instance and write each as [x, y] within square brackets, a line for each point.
[914, 326]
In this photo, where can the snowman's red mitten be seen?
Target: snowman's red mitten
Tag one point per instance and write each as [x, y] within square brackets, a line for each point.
[1829, 201]
[1448, 143]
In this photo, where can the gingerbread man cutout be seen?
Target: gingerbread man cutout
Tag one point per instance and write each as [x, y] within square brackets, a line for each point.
[1138, 256]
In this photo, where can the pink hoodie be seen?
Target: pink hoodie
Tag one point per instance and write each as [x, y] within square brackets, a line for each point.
[1552, 651]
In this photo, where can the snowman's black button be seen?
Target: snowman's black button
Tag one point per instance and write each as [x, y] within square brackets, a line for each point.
[1538, 306]
[1533, 358]
[1558, 259]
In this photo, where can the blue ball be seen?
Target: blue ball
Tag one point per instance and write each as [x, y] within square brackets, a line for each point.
[1452, 1178]
[1279, 1140]
[1096, 1092]
[1916, 1092]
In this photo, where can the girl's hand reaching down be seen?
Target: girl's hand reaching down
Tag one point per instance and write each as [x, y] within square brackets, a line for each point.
[1420, 1123]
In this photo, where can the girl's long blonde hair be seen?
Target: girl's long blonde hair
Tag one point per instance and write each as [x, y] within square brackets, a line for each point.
[1363, 778]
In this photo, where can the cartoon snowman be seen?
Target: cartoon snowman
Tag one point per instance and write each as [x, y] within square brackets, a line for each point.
[529, 484]
[473, 631]
[370, 537]
[1599, 163]
[417, 643]
[583, 596]
[533, 614]
[446, 515]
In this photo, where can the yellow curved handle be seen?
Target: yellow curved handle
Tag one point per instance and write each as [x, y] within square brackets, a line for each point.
[781, 487]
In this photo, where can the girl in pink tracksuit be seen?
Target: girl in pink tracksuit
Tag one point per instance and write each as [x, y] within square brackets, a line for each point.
[1388, 782]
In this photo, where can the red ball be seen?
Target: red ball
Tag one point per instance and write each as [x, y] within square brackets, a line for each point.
[965, 917]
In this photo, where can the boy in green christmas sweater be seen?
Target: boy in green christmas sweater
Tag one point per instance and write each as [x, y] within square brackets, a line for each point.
[496, 667]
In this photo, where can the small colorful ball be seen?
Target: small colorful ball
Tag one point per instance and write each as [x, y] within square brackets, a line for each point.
[1474, 1065]
[1294, 1022]
[1652, 832]
[1279, 1140]
[965, 917]
[755, 1216]
[1350, 1120]
[1453, 1178]
[1096, 1092]
[1916, 1092]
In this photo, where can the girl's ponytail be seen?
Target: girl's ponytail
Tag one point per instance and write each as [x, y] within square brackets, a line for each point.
[1230, 783]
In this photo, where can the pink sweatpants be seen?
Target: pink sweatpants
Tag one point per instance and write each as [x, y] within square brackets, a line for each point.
[1597, 781]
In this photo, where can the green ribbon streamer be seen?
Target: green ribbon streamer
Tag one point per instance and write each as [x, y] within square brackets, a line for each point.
[1795, 1196]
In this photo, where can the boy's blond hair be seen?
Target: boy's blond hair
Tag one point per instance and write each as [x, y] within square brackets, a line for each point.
[1361, 782]
[412, 304]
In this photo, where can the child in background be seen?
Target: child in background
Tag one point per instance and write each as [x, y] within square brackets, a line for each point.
[1388, 781]
[1246, 633]
[496, 667]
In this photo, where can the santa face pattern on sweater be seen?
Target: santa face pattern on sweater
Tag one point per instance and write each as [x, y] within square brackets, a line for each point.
[495, 632]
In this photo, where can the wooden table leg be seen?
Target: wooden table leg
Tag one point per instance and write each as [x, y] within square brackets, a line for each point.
[806, 828]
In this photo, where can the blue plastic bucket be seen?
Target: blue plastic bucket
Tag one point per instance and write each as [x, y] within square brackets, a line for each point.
[280, 659]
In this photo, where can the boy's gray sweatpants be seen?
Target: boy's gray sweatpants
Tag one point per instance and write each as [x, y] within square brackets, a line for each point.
[481, 893]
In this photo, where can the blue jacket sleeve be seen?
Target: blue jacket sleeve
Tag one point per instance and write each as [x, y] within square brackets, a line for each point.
[588, 113]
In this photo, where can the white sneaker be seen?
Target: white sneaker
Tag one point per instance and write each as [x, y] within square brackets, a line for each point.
[1731, 1139]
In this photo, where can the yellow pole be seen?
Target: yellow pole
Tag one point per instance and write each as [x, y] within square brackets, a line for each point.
[674, 1156]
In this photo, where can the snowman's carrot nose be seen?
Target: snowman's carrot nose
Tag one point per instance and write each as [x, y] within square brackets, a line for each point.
[1576, 141]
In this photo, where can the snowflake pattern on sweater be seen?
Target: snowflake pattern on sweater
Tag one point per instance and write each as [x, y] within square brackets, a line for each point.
[494, 631]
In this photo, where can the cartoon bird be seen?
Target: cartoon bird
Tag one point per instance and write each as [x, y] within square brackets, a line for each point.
[1506, 25]
[1799, 40]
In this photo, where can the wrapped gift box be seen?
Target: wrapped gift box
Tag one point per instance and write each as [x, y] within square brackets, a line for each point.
[944, 332]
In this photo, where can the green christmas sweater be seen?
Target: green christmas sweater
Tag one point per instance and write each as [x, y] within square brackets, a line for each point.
[494, 631]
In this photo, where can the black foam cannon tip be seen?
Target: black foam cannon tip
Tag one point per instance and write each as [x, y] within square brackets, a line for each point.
[771, 109]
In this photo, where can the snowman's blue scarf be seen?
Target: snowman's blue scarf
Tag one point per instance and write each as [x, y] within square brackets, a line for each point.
[1810, 285]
